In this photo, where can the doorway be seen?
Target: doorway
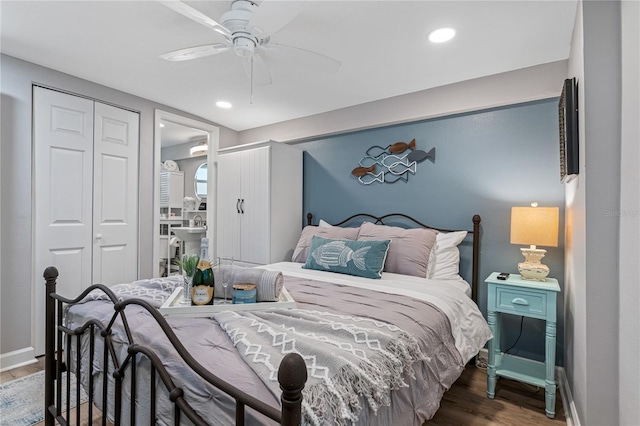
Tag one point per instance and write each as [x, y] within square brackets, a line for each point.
[194, 133]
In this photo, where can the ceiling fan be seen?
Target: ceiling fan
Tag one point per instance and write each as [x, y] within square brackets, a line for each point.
[247, 29]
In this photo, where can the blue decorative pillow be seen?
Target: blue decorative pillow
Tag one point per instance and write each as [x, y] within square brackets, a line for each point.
[359, 258]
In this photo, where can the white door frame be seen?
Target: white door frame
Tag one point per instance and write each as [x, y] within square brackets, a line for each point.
[212, 173]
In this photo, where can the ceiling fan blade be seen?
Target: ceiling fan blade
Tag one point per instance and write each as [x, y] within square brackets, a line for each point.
[306, 57]
[195, 52]
[195, 15]
[261, 74]
[272, 16]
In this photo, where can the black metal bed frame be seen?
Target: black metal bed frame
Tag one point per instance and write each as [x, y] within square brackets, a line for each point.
[292, 373]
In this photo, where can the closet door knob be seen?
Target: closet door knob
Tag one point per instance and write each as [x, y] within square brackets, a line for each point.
[98, 236]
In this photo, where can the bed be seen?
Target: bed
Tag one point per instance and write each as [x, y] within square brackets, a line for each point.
[357, 349]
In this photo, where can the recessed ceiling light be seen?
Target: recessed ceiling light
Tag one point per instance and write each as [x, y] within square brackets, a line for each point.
[441, 35]
[223, 104]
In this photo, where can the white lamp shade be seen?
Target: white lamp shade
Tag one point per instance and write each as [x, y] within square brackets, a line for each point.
[537, 226]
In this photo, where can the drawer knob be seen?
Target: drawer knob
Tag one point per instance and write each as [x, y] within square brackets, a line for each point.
[520, 301]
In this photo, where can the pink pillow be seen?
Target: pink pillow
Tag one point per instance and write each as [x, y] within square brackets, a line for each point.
[332, 232]
[409, 250]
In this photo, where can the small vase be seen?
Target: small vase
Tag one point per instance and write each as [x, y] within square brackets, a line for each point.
[186, 289]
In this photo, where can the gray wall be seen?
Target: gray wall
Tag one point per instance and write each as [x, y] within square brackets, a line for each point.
[527, 84]
[602, 186]
[629, 297]
[17, 77]
[602, 296]
[575, 254]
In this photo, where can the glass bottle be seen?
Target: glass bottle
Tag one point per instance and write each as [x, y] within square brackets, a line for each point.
[203, 284]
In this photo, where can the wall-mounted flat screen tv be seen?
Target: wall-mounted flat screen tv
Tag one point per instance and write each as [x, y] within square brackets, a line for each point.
[568, 120]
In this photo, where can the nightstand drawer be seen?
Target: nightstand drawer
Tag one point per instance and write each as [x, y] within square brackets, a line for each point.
[521, 302]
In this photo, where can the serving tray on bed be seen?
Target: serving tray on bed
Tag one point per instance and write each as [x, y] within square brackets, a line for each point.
[173, 307]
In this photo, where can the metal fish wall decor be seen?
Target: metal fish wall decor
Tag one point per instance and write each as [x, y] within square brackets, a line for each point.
[397, 161]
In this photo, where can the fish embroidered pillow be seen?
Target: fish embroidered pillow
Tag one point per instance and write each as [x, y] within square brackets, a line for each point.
[359, 258]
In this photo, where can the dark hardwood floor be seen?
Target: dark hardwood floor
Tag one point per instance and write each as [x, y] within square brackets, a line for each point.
[516, 403]
[465, 404]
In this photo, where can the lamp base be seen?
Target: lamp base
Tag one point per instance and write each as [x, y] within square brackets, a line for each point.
[531, 268]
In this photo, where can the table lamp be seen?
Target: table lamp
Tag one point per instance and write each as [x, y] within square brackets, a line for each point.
[536, 226]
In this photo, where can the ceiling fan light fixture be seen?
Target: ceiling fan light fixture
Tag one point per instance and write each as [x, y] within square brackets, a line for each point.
[200, 149]
[244, 46]
[441, 35]
[223, 104]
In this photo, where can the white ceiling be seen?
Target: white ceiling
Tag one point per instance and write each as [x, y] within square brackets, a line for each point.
[176, 134]
[382, 46]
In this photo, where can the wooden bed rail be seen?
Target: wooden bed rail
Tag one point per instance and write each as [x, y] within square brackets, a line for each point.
[292, 373]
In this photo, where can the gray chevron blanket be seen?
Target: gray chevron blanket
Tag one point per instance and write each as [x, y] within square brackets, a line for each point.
[347, 357]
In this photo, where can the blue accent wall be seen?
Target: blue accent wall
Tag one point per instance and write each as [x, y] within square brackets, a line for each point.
[486, 162]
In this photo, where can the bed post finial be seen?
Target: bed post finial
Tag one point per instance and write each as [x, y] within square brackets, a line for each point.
[292, 375]
[50, 276]
[309, 218]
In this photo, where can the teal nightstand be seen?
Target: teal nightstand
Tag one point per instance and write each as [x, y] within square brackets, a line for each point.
[533, 299]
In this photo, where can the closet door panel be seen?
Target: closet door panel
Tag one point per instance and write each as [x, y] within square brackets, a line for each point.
[115, 194]
[62, 191]
[228, 206]
[270, 179]
[63, 161]
[108, 264]
[256, 217]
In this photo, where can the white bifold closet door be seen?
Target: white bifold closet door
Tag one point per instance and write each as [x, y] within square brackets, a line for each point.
[85, 195]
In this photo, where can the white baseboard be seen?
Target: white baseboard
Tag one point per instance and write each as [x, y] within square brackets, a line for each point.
[570, 412]
[17, 358]
[484, 353]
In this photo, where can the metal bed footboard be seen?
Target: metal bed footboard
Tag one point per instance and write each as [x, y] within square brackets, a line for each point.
[292, 373]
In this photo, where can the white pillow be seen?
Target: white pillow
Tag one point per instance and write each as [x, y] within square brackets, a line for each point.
[445, 262]
[324, 224]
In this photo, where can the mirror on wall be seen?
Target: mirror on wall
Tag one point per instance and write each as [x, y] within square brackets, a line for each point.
[184, 148]
[200, 182]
